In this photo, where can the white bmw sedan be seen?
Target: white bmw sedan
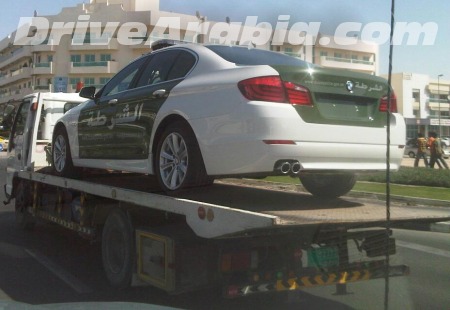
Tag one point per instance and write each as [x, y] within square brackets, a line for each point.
[192, 113]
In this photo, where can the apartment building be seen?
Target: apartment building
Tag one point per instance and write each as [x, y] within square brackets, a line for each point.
[424, 102]
[86, 55]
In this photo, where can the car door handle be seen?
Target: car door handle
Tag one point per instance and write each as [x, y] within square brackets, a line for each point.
[159, 93]
[113, 101]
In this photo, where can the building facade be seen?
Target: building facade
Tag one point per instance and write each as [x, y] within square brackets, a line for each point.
[83, 47]
[424, 102]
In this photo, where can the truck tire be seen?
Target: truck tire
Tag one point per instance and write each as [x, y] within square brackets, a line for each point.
[61, 154]
[178, 160]
[23, 200]
[328, 185]
[118, 250]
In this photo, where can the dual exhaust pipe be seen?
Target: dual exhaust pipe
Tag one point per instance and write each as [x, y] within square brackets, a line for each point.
[288, 167]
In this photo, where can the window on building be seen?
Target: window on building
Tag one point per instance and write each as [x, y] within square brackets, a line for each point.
[323, 53]
[74, 82]
[49, 58]
[104, 80]
[75, 58]
[105, 57]
[89, 81]
[89, 58]
[416, 95]
[338, 55]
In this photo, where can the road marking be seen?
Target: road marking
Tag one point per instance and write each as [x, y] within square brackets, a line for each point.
[423, 248]
[58, 271]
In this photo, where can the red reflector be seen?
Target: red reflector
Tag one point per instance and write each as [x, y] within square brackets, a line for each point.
[233, 291]
[384, 103]
[297, 94]
[266, 88]
[290, 142]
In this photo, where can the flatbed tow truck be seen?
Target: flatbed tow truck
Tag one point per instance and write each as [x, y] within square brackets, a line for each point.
[241, 238]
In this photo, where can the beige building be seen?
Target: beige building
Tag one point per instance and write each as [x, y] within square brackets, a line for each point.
[85, 44]
[424, 102]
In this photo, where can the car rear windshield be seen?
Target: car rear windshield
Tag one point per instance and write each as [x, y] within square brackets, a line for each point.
[251, 56]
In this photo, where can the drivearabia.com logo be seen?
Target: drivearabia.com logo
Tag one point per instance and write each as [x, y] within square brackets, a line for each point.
[40, 30]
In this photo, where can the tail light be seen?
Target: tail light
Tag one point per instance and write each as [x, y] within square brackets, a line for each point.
[384, 103]
[297, 94]
[273, 89]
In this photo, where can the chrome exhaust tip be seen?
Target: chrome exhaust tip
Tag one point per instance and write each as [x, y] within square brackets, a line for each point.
[295, 168]
[285, 167]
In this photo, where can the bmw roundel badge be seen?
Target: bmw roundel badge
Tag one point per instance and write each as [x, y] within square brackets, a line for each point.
[349, 86]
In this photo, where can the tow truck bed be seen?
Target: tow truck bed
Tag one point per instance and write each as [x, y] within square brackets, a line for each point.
[231, 208]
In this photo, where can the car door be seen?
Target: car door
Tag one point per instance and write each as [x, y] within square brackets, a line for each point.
[135, 116]
[20, 139]
[97, 120]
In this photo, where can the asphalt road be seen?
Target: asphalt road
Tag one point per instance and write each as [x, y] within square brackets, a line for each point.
[52, 265]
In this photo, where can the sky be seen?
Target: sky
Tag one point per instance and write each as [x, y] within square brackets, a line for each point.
[431, 60]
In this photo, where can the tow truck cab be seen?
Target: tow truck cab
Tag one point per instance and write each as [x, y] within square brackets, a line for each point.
[30, 135]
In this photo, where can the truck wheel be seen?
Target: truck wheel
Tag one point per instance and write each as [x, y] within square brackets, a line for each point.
[118, 252]
[178, 160]
[61, 155]
[24, 220]
[328, 185]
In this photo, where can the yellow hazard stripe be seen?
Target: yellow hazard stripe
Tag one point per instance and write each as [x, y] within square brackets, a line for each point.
[320, 280]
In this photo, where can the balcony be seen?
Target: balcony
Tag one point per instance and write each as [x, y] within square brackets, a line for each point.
[22, 52]
[20, 74]
[94, 67]
[94, 45]
[46, 46]
[43, 68]
[348, 63]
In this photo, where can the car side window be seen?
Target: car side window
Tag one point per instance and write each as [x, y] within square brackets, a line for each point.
[183, 64]
[165, 66]
[157, 70]
[122, 81]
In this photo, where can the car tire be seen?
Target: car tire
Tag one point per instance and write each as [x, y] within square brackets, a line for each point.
[61, 155]
[328, 185]
[178, 160]
[118, 250]
[411, 155]
[23, 200]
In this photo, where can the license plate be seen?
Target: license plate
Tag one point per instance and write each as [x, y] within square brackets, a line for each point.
[323, 257]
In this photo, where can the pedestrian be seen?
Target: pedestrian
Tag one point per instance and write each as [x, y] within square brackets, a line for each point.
[439, 153]
[431, 144]
[421, 150]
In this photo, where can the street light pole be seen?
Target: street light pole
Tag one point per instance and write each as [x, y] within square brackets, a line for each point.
[439, 104]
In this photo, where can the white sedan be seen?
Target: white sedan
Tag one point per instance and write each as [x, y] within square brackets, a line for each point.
[191, 113]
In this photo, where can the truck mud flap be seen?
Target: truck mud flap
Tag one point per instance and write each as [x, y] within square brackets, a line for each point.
[313, 280]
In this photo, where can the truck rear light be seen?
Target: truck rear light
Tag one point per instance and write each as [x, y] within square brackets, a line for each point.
[384, 103]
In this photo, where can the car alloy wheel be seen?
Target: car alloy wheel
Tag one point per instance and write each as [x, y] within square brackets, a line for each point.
[59, 153]
[173, 161]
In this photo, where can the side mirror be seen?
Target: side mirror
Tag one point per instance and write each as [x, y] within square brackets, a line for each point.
[88, 92]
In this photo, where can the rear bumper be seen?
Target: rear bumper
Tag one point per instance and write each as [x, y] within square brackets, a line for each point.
[313, 280]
